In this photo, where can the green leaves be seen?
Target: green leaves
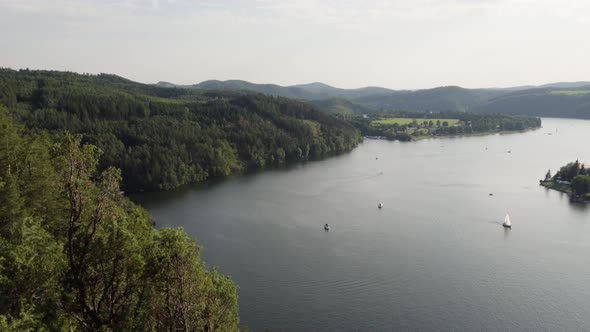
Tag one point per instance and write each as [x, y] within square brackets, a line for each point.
[75, 254]
[188, 296]
[581, 184]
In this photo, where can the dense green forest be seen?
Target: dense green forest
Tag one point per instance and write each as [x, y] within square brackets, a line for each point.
[440, 124]
[341, 107]
[76, 255]
[162, 138]
[570, 171]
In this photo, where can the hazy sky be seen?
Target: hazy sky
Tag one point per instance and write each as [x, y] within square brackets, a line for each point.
[346, 43]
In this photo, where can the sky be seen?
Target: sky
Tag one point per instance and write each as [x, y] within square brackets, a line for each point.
[398, 44]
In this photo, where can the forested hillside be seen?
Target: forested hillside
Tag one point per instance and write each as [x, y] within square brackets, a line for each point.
[451, 98]
[162, 138]
[564, 99]
[76, 255]
[550, 102]
[238, 85]
[566, 103]
[311, 91]
[341, 107]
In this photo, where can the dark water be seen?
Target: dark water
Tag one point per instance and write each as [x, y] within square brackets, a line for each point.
[434, 258]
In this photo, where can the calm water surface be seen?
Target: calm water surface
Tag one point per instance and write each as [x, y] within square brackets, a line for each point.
[434, 258]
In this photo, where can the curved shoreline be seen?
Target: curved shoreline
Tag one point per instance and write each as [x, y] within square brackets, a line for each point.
[564, 188]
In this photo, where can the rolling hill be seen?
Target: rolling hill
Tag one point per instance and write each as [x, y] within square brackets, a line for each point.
[340, 106]
[310, 91]
[548, 102]
[451, 98]
[561, 99]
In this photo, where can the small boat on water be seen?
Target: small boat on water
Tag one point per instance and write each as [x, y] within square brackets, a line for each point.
[507, 223]
[509, 151]
[380, 205]
[326, 227]
[491, 194]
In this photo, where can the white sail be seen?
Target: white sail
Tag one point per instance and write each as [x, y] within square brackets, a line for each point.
[507, 220]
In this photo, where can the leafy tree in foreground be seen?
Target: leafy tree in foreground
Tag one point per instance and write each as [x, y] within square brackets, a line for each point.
[77, 255]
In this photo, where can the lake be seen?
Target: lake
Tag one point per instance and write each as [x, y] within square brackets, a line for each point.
[434, 258]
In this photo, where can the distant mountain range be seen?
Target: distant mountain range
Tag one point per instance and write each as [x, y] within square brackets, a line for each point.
[311, 91]
[562, 99]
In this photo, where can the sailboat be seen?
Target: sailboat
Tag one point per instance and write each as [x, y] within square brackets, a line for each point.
[507, 223]
[380, 205]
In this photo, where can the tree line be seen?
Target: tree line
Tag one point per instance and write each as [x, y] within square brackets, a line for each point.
[577, 175]
[162, 138]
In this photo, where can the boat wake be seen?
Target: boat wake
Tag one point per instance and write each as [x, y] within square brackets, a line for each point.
[493, 222]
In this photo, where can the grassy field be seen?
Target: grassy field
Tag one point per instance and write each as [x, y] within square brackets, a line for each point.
[569, 92]
[405, 121]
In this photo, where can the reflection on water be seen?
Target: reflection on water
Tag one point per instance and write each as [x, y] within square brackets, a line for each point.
[579, 207]
[436, 257]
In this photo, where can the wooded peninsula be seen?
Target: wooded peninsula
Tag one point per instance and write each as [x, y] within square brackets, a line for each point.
[573, 179]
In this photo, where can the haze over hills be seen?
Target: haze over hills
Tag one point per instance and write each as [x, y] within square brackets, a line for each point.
[561, 99]
[567, 85]
[310, 91]
[549, 102]
[559, 85]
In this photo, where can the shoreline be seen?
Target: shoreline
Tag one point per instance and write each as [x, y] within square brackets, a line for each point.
[486, 133]
[564, 188]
